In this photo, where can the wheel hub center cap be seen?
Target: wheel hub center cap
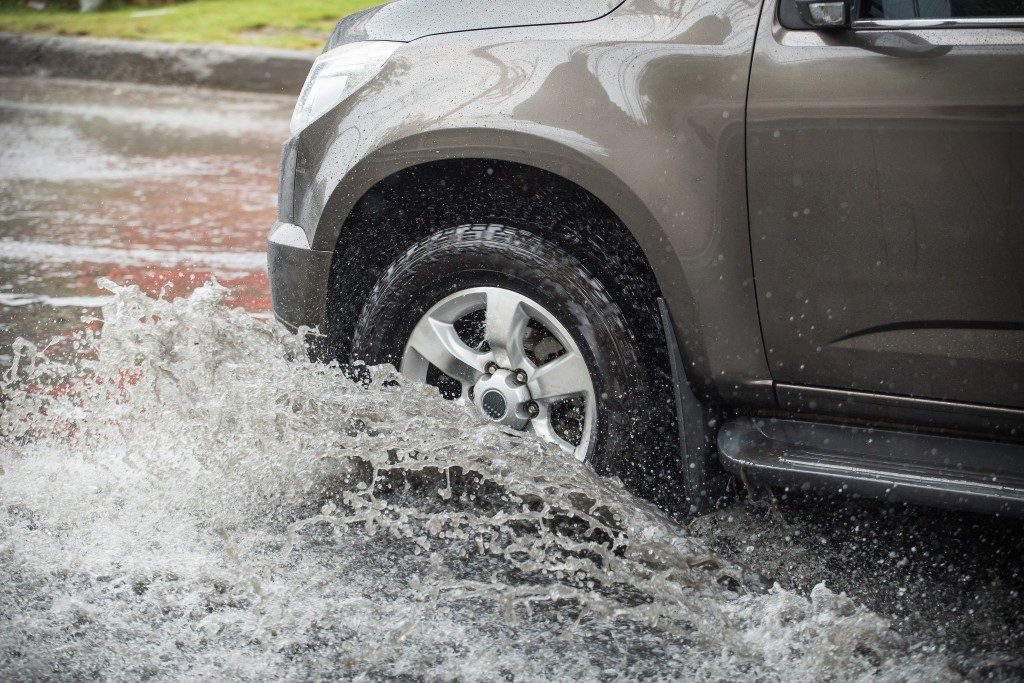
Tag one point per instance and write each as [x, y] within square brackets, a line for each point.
[494, 405]
[502, 399]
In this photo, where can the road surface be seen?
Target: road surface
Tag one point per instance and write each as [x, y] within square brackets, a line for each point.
[160, 187]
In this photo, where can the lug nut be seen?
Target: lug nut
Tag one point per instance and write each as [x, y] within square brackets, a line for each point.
[520, 376]
[533, 409]
[491, 368]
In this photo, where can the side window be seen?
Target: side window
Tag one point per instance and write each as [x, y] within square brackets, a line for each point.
[939, 9]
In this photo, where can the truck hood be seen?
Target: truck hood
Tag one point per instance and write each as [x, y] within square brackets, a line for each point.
[405, 20]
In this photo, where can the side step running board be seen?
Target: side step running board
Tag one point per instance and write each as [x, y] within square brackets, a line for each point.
[941, 471]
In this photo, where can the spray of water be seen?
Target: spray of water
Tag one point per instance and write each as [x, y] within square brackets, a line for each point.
[191, 497]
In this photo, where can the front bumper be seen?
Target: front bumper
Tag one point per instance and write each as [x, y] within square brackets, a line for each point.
[298, 278]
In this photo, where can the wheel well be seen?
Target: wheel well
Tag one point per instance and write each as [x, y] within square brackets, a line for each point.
[412, 204]
[418, 201]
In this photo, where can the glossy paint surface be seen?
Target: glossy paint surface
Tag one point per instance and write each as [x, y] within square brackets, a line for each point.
[643, 108]
[887, 209]
[410, 19]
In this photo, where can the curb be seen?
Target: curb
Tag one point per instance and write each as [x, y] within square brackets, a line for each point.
[225, 67]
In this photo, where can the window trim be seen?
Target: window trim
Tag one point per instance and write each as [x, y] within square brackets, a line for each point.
[952, 22]
[907, 24]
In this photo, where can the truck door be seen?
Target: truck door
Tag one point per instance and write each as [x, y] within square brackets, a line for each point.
[886, 194]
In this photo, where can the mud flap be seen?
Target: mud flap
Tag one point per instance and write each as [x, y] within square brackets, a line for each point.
[705, 482]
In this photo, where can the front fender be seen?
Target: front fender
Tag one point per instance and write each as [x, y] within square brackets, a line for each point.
[648, 118]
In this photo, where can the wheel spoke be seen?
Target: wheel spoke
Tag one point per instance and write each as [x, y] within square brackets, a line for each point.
[439, 343]
[565, 376]
[541, 426]
[505, 327]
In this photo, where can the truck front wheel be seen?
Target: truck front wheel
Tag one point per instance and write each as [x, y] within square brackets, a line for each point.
[502, 318]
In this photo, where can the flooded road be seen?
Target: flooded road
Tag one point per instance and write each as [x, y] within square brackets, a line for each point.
[183, 494]
[158, 187]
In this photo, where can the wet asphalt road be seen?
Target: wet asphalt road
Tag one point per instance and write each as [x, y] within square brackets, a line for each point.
[166, 188]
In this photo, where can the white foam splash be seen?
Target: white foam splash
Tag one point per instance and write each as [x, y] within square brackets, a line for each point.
[196, 499]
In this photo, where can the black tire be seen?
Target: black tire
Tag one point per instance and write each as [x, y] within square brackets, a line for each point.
[632, 413]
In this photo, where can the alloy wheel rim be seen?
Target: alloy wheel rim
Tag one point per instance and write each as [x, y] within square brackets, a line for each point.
[537, 391]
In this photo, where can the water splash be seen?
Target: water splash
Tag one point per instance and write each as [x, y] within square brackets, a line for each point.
[190, 496]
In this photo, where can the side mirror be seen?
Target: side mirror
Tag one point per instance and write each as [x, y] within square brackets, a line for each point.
[825, 14]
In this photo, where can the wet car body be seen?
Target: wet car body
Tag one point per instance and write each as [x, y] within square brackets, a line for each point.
[832, 218]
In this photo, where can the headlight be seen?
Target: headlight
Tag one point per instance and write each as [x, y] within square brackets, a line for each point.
[335, 75]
